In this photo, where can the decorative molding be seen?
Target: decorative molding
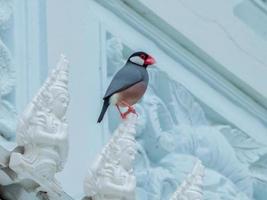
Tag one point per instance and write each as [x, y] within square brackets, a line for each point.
[111, 175]
[191, 187]
[42, 132]
[261, 4]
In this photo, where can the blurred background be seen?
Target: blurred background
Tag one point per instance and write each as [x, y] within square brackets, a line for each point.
[206, 100]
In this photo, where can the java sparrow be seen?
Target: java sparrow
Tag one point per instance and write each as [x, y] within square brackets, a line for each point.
[128, 85]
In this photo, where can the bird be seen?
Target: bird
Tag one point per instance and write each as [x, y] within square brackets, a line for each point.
[128, 85]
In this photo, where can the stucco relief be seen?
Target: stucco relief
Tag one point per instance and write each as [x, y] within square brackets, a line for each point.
[172, 124]
[7, 80]
[6, 12]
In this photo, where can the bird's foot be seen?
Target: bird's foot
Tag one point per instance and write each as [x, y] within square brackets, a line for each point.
[130, 110]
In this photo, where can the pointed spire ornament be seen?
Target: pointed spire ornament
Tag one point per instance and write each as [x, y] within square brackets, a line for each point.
[191, 187]
[111, 175]
[42, 132]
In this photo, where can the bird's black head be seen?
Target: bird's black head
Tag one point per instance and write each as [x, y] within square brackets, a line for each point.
[142, 59]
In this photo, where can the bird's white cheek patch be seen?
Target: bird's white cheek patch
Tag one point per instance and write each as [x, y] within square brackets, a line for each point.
[114, 99]
[137, 60]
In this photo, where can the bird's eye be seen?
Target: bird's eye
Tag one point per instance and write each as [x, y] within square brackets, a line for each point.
[142, 56]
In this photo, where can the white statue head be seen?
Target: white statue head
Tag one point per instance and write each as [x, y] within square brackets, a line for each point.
[60, 103]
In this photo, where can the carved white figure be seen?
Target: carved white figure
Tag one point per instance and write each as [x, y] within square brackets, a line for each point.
[42, 129]
[111, 176]
[191, 187]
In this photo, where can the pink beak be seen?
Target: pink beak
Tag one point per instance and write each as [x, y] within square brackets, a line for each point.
[150, 60]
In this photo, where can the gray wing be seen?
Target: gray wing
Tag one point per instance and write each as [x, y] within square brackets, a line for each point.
[125, 78]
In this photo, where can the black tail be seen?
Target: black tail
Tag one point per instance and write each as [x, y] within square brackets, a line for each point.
[103, 111]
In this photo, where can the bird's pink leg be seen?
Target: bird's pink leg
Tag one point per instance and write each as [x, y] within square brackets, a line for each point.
[130, 110]
[122, 115]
